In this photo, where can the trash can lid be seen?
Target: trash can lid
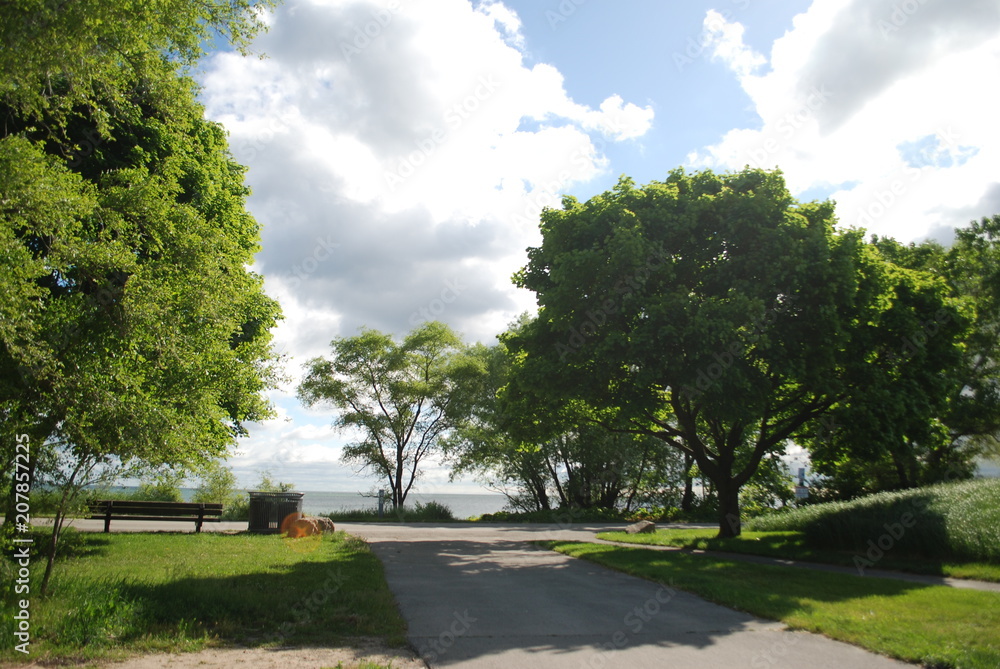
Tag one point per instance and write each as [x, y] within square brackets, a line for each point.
[280, 495]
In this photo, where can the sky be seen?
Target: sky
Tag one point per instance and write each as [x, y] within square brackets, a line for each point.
[400, 151]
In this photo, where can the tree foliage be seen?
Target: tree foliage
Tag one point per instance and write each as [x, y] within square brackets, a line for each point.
[131, 330]
[585, 466]
[716, 313]
[402, 398]
[883, 439]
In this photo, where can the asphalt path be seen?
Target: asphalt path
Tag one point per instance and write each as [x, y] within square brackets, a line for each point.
[481, 596]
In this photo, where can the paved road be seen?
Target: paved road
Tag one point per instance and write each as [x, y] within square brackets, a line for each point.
[482, 596]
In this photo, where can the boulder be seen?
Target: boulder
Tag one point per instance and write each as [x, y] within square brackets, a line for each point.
[303, 527]
[642, 527]
[325, 524]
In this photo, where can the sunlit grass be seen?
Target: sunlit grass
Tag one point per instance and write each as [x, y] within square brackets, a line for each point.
[794, 546]
[118, 594]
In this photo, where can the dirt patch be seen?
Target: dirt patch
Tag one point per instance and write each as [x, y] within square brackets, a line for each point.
[366, 650]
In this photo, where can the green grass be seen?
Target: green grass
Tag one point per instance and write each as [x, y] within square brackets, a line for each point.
[934, 625]
[794, 546]
[951, 521]
[115, 595]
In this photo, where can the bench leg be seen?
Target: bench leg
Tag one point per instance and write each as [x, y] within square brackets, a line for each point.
[107, 522]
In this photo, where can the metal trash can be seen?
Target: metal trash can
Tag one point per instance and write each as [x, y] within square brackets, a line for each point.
[269, 509]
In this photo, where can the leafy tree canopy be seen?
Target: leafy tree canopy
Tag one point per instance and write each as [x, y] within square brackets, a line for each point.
[716, 313]
[402, 398]
[131, 330]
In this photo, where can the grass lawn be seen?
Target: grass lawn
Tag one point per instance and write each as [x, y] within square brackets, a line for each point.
[934, 625]
[114, 595]
[793, 546]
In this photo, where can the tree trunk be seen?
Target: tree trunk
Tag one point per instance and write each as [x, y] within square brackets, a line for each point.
[729, 508]
[687, 501]
[540, 495]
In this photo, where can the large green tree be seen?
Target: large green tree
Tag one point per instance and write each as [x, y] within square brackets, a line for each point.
[883, 439]
[712, 311]
[402, 398]
[131, 330]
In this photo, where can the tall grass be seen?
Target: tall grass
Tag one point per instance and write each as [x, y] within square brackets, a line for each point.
[950, 520]
[419, 513]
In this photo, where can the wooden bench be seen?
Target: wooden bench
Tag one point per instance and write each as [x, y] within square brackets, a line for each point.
[118, 509]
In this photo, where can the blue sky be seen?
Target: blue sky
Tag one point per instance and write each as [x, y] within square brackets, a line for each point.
[400, 150]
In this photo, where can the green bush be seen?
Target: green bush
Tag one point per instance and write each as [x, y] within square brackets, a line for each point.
[420, 513]
[217, 485]
[157, 491]
[950, 520]
[430, 511]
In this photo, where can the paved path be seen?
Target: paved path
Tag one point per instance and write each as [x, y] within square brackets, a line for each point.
[477, 596]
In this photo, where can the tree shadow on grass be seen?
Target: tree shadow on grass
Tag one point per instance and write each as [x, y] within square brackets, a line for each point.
[272, 604]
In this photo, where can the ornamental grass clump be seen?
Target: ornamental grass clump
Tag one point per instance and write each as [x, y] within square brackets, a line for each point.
[949, 520]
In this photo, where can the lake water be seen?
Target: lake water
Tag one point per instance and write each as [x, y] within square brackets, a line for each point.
[317, 502]
[462, 506]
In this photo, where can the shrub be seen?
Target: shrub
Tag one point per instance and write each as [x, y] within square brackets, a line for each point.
[429, 512]
[945, 521]
[420, 513]
[217, 485]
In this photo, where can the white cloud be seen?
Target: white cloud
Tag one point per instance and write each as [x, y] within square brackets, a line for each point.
[852, 88]
[399, 154]
[726, 42]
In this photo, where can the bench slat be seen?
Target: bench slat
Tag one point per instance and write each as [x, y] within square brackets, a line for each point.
[190, 519]
[130, 504]
[124, 511]
[195, 512]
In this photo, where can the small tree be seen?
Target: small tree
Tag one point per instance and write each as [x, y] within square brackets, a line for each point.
[403, 397]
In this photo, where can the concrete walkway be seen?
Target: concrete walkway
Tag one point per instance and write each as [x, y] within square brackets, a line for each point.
[480, 596]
